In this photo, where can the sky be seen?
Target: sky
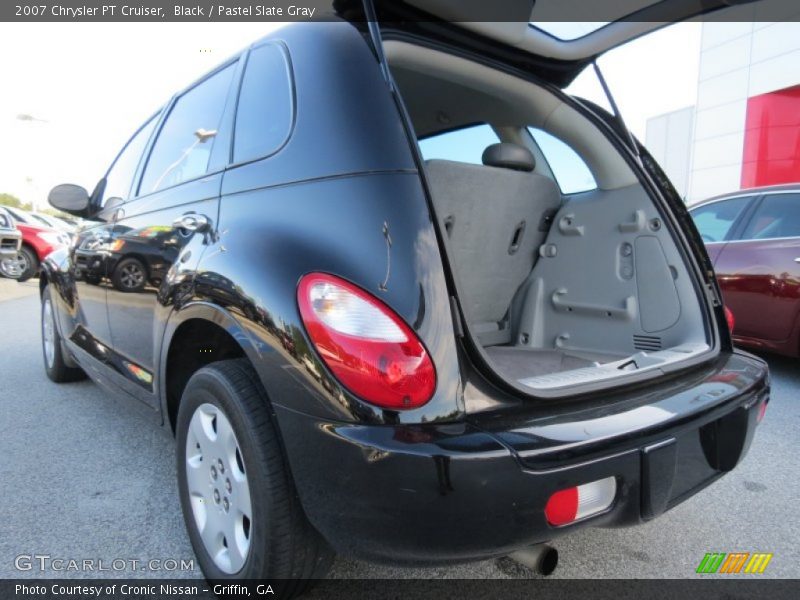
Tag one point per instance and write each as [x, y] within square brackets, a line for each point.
[650, 76]
[88, 86]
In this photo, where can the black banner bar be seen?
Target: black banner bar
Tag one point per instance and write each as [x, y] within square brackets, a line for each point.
[414, 10]
[710, 588]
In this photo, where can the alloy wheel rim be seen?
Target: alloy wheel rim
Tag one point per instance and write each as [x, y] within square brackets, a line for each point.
[48, 333]
[14, 267]
[131, 276]
[219, 492]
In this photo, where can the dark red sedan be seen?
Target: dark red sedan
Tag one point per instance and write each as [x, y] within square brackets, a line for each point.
[753, 239]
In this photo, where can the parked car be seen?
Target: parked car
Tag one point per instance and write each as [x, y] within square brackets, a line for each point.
[753, 239]
[129, 259]
[418, 361]
[10, 239]
[38, 241]
[54, 222]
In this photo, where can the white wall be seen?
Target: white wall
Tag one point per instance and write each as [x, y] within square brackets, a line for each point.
[669, 140]
[737, 61]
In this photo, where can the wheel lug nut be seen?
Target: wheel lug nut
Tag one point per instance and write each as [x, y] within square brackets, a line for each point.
[228, 485]
[213, 472]
[216, 495]
[226, 505]
[221, 466]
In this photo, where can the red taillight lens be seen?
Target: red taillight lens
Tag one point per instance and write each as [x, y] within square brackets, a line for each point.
[762, 410]
[729, 318]
[562, 507]
[365, 344]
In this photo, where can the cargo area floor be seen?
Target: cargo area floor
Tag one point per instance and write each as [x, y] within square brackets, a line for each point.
[515, 362]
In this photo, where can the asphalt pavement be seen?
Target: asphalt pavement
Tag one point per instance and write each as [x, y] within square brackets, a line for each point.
[86, 475]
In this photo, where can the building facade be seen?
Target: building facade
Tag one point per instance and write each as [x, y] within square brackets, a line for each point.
[744, 130]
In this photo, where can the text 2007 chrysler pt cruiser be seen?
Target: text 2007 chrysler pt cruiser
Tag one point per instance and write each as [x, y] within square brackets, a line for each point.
[365, 348]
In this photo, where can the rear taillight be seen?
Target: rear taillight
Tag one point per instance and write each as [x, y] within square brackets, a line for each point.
[579, 502]
[729, 318]
[369, 349]
[762, 410]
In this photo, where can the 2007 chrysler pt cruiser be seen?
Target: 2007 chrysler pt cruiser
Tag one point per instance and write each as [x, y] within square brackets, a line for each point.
[341, 268]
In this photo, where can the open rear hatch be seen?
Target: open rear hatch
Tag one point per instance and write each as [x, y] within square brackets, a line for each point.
[559, 294]
[553, 39]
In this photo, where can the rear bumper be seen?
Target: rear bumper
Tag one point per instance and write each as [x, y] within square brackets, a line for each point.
[457, 492]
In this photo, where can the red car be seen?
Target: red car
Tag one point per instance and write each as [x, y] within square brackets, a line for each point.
[753, 239]
[37, 242]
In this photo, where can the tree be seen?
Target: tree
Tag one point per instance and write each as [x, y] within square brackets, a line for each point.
[14, 202]
[10, 200]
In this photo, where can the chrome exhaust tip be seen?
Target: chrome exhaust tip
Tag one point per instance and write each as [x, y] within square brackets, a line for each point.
[541, 558]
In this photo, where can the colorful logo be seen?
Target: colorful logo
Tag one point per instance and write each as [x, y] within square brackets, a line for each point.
[735, 562]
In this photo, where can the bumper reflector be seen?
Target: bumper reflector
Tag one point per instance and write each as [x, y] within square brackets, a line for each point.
[762, 410]
[575, 503]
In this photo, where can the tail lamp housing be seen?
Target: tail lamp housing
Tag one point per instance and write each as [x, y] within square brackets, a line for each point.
[365, 344]
[729, 318]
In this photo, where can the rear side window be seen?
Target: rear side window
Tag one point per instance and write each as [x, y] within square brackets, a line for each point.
[265, 111]
[120, 176]
[569, 169]
[183, 147]
[778, 216]
[460, 145]
[714, 221]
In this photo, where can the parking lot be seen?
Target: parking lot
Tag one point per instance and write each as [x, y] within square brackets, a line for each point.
[86, 475]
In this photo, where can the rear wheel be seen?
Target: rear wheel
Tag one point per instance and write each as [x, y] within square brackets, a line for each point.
[237, 494]
[55, 366]
[22, 267]
[130, 275]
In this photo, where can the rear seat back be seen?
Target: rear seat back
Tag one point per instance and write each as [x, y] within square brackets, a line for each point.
[491, 216]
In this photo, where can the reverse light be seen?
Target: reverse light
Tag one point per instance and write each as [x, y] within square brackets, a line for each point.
[729, 318]
[579, 502]
[366, 345]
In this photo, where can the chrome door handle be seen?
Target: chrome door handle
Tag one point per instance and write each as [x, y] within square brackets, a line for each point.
[797, 260]
[193, 222]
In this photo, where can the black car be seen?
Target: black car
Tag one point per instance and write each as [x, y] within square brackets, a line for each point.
[128, 259]
[422, 361]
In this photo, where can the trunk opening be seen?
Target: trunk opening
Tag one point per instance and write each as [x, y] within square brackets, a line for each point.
[561, 292]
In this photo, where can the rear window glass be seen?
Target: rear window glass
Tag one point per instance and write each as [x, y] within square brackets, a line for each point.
[778, 216]
[265, 111]
[714, 221]
[460, 145]
[569, 169]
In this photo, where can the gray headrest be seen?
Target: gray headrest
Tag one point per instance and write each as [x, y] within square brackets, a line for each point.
[509, 156]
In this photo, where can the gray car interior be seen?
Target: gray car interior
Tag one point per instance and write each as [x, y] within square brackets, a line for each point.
[558, 290]
[492, 216]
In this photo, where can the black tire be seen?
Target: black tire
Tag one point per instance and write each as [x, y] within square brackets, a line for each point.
[283, 544]
[30, 265]
[126, 271]
[55, 366]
